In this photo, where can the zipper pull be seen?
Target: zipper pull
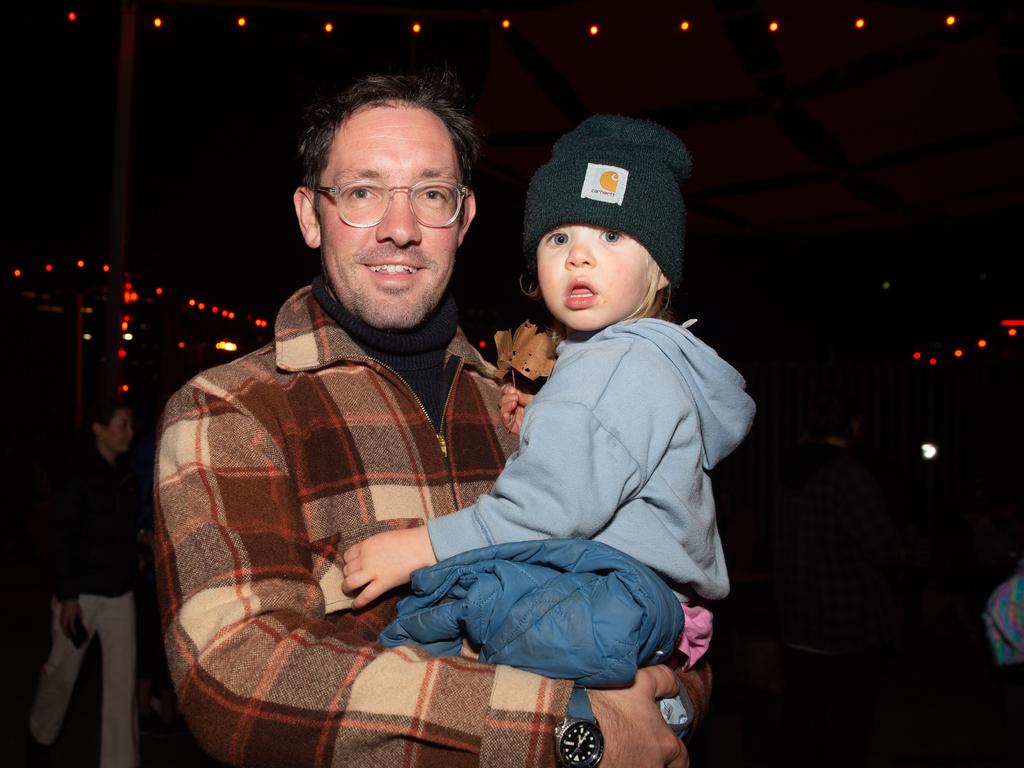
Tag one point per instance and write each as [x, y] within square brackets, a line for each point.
[444, 446]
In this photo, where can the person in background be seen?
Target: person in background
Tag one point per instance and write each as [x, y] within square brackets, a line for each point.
[95, 564]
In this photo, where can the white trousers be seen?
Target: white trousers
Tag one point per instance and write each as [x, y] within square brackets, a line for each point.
[113, 619]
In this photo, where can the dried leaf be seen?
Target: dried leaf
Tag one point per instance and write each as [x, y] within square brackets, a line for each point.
[530, 351]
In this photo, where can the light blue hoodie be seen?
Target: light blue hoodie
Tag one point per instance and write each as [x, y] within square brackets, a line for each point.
[616, 448]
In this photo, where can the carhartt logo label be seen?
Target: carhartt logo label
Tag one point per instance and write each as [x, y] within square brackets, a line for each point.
[605, 183]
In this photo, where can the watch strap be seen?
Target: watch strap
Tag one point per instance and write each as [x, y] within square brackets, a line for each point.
[579, 705]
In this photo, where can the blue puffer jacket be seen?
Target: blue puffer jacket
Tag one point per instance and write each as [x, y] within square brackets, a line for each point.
[564, 608]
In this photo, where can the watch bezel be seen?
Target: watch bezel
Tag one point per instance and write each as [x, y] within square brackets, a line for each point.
[595, 731]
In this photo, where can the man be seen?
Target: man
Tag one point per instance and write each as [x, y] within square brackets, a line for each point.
[835, 549]
[370, 411]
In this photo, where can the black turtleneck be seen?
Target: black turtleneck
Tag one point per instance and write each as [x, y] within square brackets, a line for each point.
[416, 355]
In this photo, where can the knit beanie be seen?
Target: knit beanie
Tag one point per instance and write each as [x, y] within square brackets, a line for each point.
[614, 172]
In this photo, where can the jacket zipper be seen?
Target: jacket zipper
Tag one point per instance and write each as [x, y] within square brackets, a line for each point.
[441, 442]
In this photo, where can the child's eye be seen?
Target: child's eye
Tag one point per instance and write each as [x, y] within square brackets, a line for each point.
[558, 238]
[611, 236]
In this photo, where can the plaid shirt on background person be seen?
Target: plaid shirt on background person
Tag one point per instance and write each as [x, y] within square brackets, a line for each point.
[268, 468]
[834, 544]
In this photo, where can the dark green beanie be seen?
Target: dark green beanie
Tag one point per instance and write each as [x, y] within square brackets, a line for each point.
[614, 172]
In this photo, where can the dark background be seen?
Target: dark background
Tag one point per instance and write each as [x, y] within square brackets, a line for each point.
[856, 198]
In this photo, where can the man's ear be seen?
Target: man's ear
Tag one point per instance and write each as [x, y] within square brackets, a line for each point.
[305, 212]
[468, 212]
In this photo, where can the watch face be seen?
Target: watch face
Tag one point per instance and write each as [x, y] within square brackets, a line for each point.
[581, 745]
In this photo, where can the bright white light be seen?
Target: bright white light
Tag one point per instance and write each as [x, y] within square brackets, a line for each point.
[87, 336]
[929, 451]
[127, 337]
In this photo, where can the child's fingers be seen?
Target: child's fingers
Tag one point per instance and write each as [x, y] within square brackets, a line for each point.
[355, 580]
[370, 592]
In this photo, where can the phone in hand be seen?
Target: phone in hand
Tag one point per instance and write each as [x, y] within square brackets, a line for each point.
[78, 634]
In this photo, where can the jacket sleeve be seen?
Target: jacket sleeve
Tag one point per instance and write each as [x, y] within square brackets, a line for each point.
[570, 476]
[68, 550]
[264, 677]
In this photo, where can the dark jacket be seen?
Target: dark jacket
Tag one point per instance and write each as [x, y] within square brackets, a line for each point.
[94, 527]
[565, 608]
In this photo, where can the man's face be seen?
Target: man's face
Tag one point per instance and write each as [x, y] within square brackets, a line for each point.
[390, 276]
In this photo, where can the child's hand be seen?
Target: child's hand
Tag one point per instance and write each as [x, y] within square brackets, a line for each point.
[513, 404]
[385, 561]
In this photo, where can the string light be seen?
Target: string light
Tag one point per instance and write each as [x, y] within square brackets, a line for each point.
[191, 302]
[958, 353]
[200, 306]
[594, 30]
[124, 387]
[1011, 332]
[106, 267]
[72, 16]
[982, 343]
[49, 267]
[416, 27]
[241, 21]
[505, 23]
[950, 20]
[215, 309]
[328, 27]
[773, 26]
[859, 23]
[917, 355]
[159, 291]
[482, 345]
[17, 273]
[121, 353]
[181, 345]
[158, 22]
[684, 25]
[932, 361]
[80, 264]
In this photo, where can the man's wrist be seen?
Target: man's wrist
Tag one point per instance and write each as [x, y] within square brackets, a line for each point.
[578, 738]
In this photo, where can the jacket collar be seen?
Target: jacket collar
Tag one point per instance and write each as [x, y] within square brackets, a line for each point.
[306, 338]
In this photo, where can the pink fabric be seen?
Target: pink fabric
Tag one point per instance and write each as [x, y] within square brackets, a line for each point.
[696, 633]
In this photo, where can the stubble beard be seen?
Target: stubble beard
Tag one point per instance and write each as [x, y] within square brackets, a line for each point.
[406, 308]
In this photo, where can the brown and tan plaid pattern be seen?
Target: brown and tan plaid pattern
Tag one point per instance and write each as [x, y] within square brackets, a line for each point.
[267, 469]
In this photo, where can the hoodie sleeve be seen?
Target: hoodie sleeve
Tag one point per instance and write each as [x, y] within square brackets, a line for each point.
[570, 476]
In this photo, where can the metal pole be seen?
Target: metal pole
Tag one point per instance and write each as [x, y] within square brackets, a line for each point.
[119, 198]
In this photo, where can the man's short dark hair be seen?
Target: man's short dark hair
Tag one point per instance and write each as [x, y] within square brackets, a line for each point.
[437, 91]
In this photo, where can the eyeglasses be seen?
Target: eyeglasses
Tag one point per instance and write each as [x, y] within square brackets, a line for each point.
[366, 203]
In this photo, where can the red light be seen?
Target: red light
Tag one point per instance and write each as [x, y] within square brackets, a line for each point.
[159, 291]
[1011, 322]
[127, 318]
[72, 16]
[49, 267]
[950, 20]
[127, 286]
[200, 305]
[328, 27]
[223, 313]
[17, 273]
[416, 27]
[191, 302]
[121, 353]
[958, 353]
[124, 387]
[505, 23]
[594, 30]
[158, 22]
[214, 309]
[181, 345]
[859, 23]
[917, 355]
[106, 267]
[774, 26]
[684, 25]
[482, 345]
[231, 315]
[932, 361]
[1012, 332]
[80, 263]
[982, 343]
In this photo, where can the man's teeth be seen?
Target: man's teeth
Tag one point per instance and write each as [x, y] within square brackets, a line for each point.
[391, 268]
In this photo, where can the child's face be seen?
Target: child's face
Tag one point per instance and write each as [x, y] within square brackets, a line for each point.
[592, 277]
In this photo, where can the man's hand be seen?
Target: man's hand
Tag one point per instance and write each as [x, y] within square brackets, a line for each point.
[635, 734]
[513, 404]
[69, 611]
[385, 561]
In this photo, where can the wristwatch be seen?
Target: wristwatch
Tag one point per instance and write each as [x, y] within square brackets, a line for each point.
[578, 739]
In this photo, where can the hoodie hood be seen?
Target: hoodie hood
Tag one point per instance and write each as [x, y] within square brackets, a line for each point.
[725, 410]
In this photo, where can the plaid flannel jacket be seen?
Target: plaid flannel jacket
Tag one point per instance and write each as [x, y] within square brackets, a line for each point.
[268, 468]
